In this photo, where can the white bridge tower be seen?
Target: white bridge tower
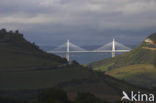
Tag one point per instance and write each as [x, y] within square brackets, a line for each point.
[67, 53]
[113, 48]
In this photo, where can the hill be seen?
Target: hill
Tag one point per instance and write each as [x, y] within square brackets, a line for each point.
[79, 80]
[23, 65]
[137, 66]
[102, 86]
[16, 53]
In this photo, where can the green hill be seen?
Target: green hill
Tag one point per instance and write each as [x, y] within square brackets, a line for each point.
[16, 53]
[137, 66]
[23, 65]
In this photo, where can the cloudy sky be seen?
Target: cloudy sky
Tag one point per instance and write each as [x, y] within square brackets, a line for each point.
[85, 22]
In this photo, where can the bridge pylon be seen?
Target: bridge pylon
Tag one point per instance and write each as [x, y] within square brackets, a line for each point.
[113, 48]
[67, 52]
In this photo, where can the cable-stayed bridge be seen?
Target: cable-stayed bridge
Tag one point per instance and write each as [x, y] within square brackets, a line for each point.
[112, 47]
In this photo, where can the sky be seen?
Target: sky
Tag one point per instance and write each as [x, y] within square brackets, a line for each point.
[84, 22]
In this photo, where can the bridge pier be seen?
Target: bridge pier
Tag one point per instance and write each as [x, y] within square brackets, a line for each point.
[113, 54]
[113, 48]
[67, 56]
[67, 53]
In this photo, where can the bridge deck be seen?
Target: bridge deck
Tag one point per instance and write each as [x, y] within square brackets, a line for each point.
[101, 51]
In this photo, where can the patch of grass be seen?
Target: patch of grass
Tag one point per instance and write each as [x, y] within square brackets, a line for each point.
[127, 71]
[140, 74]
[103, 68]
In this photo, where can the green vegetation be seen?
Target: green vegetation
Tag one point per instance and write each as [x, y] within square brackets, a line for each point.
[102, 86]
[125, 72]
[103, 68]
[153, 37]
[136, 74]
[38, 79]
[71, 79]
[53, 96]
[136, 66]
[60, 96]
[17, 53]
[10, 100]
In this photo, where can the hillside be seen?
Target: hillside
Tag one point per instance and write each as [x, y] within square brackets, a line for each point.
[102, 86]
[79, 80]
[23, 65]
[137, 66]
[25, 70]
[16, 53]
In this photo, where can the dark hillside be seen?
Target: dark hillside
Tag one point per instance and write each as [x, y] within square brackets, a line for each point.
[16, 52]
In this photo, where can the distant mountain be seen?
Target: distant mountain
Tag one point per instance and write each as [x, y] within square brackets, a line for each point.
[137, 66]
[16, 53]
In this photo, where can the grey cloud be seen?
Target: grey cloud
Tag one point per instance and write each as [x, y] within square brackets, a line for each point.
[91, 20]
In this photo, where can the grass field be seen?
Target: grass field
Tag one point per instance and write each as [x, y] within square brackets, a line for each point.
[141, 74]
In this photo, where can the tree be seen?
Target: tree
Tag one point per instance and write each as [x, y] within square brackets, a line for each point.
[17, 32]
[87, 98]
[53, 96]
[3, 30]
[11, 32]
[74, 62]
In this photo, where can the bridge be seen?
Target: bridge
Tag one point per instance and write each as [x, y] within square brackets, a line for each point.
[112, 47]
